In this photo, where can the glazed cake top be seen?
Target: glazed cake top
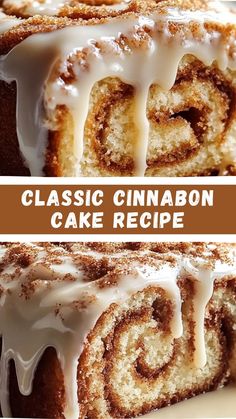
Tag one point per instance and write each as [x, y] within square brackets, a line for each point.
[31, 265]
[89, 9]
[44, 16]
[21, 18]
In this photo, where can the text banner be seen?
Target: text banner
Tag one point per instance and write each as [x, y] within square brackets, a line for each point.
[117, 209]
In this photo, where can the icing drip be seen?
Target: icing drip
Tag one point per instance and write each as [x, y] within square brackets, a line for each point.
[204, 286]
[156, 63]
[48, 318]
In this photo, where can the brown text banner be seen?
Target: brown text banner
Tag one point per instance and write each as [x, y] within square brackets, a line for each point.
[117, 209]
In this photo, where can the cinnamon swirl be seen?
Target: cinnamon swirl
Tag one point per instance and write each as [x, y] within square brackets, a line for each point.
[117, 88]
[114, 330]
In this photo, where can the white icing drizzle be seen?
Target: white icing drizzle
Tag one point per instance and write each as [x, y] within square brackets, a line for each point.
[36, 321]
[30, 64]
[204, 287]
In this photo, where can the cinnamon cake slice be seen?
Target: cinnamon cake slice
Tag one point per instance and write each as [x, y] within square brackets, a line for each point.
[107, 330]
[117, 88]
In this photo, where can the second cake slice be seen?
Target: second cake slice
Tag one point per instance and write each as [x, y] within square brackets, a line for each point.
[137, 88]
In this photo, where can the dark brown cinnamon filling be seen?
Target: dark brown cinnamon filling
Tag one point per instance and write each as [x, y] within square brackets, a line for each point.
[195, 115]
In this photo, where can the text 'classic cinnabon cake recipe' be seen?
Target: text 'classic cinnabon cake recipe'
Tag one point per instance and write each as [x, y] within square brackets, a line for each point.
[117, 88]
[109, 330]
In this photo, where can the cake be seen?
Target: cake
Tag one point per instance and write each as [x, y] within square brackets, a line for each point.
[117, 88]
[114, 330]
